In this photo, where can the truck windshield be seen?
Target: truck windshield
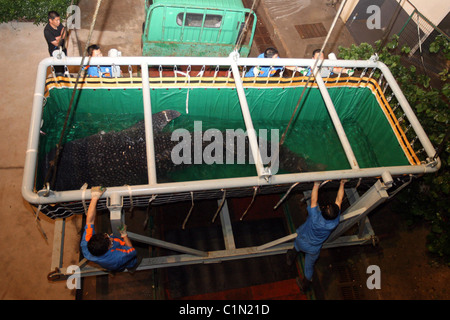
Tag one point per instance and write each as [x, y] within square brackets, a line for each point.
[196, 19]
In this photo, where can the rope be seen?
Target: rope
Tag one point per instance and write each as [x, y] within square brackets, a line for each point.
[253, 199]
[151, 199]
[359, 183]
[314, 67]
[190, 211]
[221, 205]
[283, 136]
[404, 185]
[83, 197]
[54, 163]
[65, 29]
[324, 183]
[144, 225]
[285, 196]
[38, 222]
[320, 186]
[131, 199]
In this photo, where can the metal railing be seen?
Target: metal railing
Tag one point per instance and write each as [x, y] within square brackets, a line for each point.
[235, 66]
[418, 32]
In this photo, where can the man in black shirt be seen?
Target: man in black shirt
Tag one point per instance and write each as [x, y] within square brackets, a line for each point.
[54, 33]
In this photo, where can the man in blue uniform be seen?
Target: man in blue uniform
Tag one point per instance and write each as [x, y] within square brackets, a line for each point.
[97, 71]
[265, 71]
[111, 253]
[311, 235]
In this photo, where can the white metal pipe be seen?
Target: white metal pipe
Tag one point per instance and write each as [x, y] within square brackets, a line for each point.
[33, 134]
[336, 121]
[166, 245]
[252, 140]
[150, 146]
[227, 229]
[205, 185]
[213, 61]
[151, 61]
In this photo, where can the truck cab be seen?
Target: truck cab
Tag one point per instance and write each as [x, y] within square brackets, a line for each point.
[196, 28]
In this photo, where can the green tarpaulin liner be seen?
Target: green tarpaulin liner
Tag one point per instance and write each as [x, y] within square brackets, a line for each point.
[376, 140]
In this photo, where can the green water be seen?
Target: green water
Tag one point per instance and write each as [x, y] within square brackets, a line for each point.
[311, 135]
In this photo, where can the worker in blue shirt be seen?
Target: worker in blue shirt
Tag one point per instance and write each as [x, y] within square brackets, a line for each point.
[311, 235]
[265, 71]
[111, 253]
[97, 71]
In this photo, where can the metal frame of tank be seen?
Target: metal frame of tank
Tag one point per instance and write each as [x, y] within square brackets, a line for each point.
[355, 214]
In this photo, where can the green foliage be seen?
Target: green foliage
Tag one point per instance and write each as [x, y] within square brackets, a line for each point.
[441, 44]
[428, 197]
[32, 10]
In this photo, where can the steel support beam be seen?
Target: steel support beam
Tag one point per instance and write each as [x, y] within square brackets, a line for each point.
[349, 219]
[188, 259]
[227, 230]
[376, 195]
[253, 141]
[165, 245]
[58, 244]
[277, 242]
[150, 147]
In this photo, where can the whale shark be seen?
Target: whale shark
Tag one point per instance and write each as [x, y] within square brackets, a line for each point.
[120, 158]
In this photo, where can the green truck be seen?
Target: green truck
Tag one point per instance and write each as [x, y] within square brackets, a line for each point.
[209, 28]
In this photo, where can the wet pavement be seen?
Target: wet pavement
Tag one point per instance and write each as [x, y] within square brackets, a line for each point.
[284, 19]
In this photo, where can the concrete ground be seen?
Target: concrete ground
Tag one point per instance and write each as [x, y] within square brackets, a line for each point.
[284, 20]
[26, 256]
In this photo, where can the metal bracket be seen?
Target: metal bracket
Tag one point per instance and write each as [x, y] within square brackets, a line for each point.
[45, 192]
[115, 205]
[374, 58]
[357, 214]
